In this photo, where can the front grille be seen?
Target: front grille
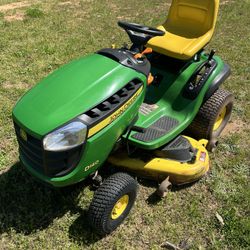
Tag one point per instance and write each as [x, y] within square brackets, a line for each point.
[52, 164]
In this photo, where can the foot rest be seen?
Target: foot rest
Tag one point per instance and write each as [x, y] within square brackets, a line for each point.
[160, 128]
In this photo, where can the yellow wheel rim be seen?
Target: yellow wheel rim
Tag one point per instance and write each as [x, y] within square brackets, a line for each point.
[120, 207]
[220, 119]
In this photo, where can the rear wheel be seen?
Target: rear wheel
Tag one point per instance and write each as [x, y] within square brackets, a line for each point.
[213, 116]
[112, 203]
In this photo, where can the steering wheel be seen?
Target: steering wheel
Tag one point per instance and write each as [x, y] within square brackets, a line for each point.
[141, 28]
[139, 34]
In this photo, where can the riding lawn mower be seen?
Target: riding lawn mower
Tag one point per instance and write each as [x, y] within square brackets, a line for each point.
[152, 110]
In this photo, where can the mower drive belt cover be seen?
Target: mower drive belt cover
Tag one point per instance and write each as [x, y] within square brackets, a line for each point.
[180, 149]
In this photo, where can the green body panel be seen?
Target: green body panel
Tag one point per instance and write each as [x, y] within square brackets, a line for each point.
[69, 92]
[96, 150]
[170, 101]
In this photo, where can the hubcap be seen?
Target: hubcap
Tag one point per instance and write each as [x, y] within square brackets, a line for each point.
[120, 207]
[220, 119]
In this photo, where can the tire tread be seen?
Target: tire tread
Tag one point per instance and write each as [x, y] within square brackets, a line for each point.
[202, 125]
[104, 196]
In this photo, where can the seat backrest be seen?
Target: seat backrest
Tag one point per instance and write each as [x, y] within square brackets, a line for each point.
[192, 18]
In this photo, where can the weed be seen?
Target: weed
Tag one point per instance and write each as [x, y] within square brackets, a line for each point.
[34, 13]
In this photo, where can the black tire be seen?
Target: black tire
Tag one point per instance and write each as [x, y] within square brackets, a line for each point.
[106, 197]
[202, 126]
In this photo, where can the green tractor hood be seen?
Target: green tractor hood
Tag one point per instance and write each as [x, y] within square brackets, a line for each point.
[71, 91]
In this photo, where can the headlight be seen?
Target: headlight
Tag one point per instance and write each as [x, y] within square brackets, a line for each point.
[65, 138]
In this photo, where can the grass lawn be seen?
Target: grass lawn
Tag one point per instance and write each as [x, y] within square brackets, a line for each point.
[36, 37]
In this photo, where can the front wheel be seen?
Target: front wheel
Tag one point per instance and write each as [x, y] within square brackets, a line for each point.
[112, 203]
[213, 116]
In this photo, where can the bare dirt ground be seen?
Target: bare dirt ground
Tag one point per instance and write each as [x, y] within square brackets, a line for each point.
[234, 126]
[226, 2]
[19, 15]
[16, 17]
[12, 6]
[9, 85]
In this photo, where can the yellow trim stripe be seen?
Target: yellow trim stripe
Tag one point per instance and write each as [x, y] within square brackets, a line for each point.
[114, 115]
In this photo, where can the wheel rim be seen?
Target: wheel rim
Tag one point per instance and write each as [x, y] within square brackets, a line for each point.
[220, 119]
[120, 207]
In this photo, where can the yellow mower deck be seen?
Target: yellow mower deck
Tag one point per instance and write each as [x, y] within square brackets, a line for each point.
[160, 168]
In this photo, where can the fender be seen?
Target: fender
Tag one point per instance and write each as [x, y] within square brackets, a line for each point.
[224, 74]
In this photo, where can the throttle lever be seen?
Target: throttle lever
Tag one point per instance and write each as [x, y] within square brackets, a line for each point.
[210, 57]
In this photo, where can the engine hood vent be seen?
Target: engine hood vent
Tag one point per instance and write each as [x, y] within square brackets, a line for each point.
[120, 100]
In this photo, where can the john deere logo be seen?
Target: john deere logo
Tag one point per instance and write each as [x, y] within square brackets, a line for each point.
[23, 135]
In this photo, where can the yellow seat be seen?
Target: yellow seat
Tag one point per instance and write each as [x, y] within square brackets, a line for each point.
[189, 27]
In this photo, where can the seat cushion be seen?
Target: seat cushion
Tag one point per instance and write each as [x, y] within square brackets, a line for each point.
[179, 47]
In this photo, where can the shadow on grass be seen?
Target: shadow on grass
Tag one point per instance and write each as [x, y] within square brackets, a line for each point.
[81, 233]
[27, 205]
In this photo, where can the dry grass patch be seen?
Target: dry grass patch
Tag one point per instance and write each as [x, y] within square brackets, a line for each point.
[16, 11]
[15, 17]
[226, 2]
[65, 3]
[9, 85]
[234, 126]
[12, 6]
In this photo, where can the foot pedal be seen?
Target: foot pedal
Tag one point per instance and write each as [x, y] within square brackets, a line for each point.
[179, 149]
[160, 128]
